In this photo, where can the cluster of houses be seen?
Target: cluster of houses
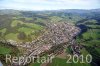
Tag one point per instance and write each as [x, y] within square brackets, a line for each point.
[55, 34]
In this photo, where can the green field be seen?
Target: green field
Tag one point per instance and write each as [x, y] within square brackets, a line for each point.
[4, 50]
[12, 36]
[91, 34]
[16, 22]
[18, 26]
[3, 31]
[35, 64]
[26, 30]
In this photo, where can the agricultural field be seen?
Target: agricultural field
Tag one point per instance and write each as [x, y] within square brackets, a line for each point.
[18, 26]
